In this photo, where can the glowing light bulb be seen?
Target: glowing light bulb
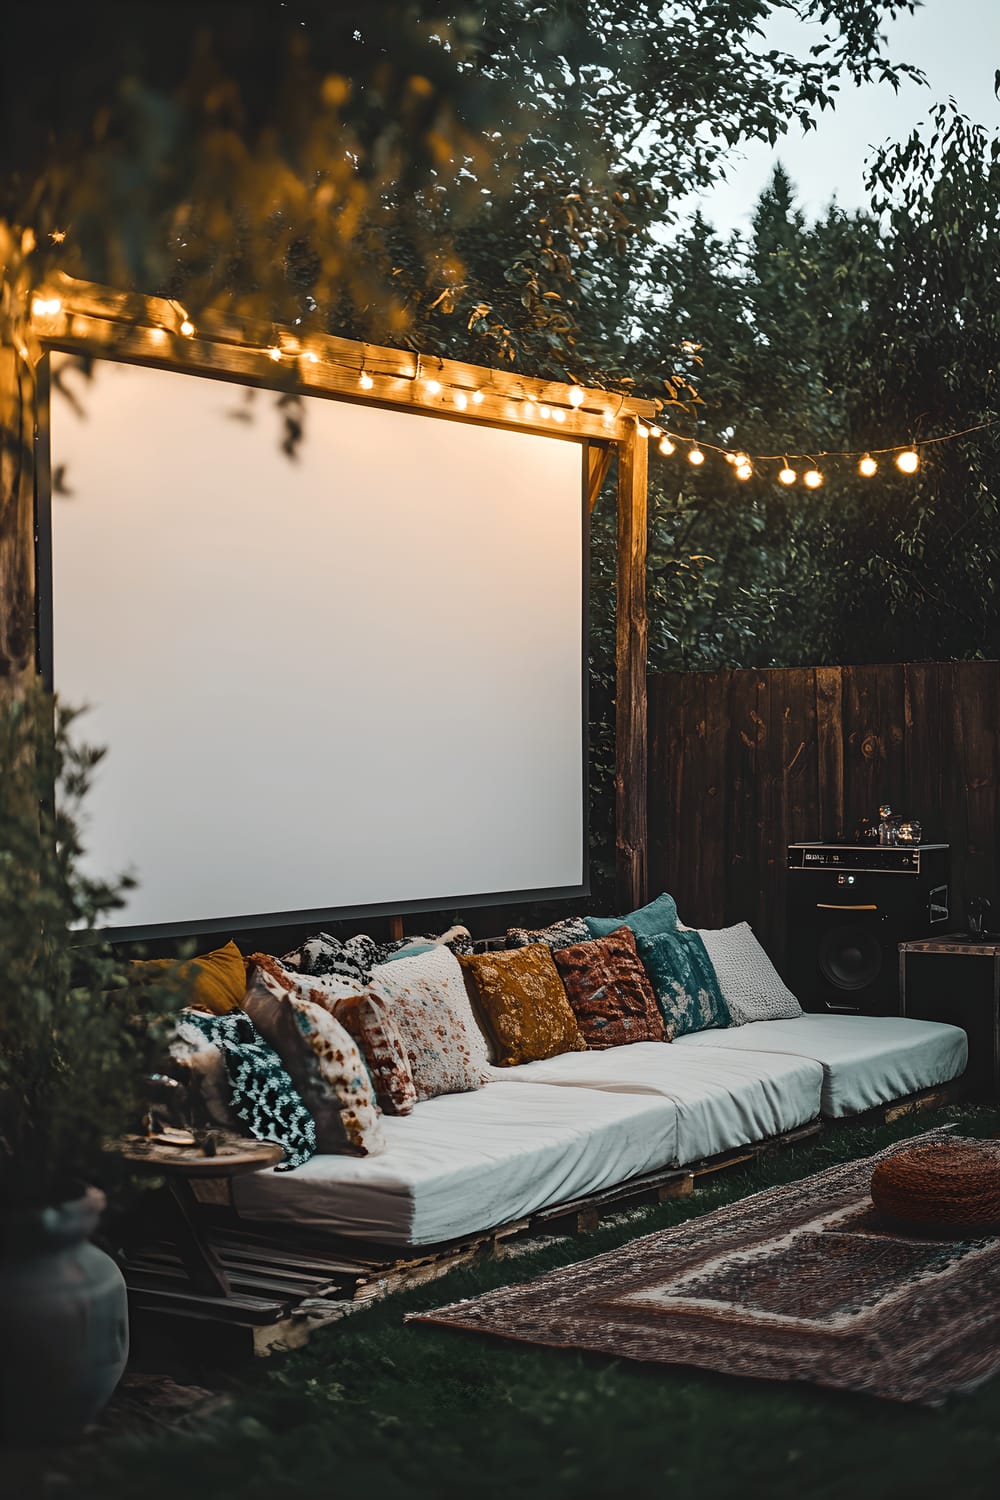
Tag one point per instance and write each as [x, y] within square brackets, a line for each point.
[45, 307]
[576, 396]
[432, 387]
[741, 458]
[274, 353]
[312, 357]
[730, 458]
[157, 335]
[641, 430]
[656, 432]
[478, 398]
[868, 466]
[187, 328]
[744, 471]
[666, 446]
[527, 409]
[365, 381]
[559, 415]
[545, 412]
[812, 479]
[461, 400]
[696, 457]
[787, 475]
[908, 462]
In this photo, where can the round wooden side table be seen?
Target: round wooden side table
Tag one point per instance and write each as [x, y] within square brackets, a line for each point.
[182, 1165]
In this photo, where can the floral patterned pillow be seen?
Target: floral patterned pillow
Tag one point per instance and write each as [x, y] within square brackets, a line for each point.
[428, 1002]
[523, 1003]
[557, 934]
[687, 990]
[368, 1019]
[324, 955]
[323, 1062]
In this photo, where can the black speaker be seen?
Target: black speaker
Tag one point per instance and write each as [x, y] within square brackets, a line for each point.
[849, 908]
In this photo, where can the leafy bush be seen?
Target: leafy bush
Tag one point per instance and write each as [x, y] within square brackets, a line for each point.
[74, 1046]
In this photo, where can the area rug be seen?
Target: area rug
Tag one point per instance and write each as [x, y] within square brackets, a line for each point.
[800, 1283]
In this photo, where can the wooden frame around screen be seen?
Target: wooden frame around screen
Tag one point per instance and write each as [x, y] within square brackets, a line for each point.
[87, 319]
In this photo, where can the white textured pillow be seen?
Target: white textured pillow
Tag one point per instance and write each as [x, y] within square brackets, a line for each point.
[751, 986]
[437, 975]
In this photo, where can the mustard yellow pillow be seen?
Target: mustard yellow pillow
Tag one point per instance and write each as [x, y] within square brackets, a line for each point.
[217, 980]
[521, 999]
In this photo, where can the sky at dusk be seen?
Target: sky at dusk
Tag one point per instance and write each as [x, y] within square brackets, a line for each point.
[957, 45]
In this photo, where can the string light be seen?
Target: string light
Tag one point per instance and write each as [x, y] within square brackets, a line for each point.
[157, 335]
[559, 415]
[187, 328]
[696, 457]
[461, 400]
[45, 307]
[432, 387]
[744, 470]
[908, 462]
[642, 430]
[545, 412]
[478, 398]
[868, 466]
[577, 396]
[312, 356]
[274, 353]
[812, 479]
[787, 475]
[665, 446]
[365, 381]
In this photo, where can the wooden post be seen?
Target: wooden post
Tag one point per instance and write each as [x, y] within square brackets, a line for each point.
[630, 654]
[17, 522]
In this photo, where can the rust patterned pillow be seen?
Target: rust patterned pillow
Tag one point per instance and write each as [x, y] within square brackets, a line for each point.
[322, 1061]
[522, 1001]
[368, 1019]
[609, 990]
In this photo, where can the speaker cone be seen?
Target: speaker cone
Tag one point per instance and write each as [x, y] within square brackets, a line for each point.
[850, 957]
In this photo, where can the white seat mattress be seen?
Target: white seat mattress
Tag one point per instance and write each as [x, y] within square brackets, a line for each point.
[466, 1162]
[724, 1099]
[866, 1060]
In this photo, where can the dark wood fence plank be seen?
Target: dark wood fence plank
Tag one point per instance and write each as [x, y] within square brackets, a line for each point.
[749, 761]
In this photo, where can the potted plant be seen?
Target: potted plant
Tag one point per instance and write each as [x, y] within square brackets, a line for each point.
[73, 1053]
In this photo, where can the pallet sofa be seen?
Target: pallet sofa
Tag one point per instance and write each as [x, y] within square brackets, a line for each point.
[544, 1133]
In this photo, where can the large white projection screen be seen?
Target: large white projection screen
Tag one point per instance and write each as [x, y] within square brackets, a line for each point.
[353, 679]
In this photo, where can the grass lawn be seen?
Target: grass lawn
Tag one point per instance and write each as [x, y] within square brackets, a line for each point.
[374, 1408]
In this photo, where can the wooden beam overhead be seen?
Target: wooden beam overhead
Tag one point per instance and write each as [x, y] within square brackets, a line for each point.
[99, 321]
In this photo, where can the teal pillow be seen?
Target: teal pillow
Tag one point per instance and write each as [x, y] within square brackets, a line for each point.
[687, 990]
[659, 916]
[411, 950]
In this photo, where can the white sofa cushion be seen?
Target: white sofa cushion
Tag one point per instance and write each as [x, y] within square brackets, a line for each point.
[724, 1099]
[751, 986]
[866, 1060]
[465, 1162]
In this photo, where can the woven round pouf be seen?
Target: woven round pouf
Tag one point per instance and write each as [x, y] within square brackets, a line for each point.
[951, 1187]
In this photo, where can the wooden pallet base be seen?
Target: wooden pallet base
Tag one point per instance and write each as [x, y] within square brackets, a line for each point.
[286, 1283]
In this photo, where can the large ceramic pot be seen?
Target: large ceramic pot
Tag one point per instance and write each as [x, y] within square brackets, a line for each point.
[63, 1321]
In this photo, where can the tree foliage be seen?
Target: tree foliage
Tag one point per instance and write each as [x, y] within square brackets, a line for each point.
[467, 176]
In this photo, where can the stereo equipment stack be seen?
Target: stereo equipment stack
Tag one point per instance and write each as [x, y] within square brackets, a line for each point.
[849, 907]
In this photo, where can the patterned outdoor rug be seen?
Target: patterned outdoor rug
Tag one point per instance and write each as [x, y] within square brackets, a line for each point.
[796, 1283]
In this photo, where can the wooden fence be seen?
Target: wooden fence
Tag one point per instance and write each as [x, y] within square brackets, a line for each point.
[742, 763]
